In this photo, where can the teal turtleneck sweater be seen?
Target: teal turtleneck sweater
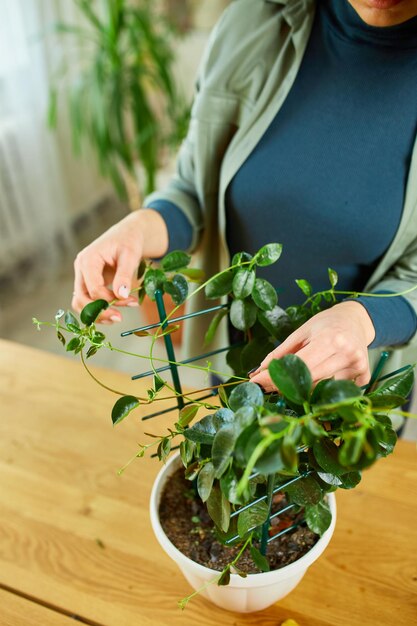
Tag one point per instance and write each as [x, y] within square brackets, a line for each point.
[327, 179]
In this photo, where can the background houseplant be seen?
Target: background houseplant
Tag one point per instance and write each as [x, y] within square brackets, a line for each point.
[122, 99]
[322, 436]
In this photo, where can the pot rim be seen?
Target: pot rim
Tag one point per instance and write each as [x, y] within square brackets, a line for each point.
[262, 577]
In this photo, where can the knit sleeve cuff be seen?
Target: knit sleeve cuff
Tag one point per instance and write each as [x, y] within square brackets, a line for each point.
[180, 232]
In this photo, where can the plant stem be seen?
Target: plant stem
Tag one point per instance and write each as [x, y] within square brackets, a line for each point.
[183, 603]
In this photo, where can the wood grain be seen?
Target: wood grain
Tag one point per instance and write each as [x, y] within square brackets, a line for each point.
[17, 611]
[76, 536]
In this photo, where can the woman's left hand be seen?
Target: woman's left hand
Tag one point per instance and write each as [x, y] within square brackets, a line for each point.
[333, 343]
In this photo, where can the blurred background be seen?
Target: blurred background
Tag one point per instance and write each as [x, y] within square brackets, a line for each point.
[94, 101]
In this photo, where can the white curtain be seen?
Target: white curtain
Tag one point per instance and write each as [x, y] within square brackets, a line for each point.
[34, 214]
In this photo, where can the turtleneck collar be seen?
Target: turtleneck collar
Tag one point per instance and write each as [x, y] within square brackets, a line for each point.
[346, 21]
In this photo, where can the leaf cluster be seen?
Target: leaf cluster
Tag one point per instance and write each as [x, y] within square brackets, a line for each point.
[254, 310]
[323, 437]
[171, 277]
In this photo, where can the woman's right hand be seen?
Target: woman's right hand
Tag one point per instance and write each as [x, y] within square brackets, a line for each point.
[107, 267]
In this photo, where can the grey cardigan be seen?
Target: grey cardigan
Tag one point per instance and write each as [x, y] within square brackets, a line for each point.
[249, 66]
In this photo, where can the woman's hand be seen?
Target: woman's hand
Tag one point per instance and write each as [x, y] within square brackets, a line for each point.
[106, 268]
[333, 343]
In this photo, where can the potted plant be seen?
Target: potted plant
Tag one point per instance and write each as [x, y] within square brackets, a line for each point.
[120, 89]
[252, 486]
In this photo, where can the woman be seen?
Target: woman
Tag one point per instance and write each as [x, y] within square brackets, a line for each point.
[303, 131]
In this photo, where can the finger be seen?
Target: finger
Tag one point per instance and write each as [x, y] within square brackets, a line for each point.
[326, 366]
[81, 298]
[264, 380]
[127, 264]
[92, 274]
[360, 379]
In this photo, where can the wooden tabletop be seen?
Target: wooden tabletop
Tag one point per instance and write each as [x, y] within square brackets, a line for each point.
[76, 541]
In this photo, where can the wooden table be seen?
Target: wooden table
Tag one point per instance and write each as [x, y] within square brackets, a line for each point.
[76, 542]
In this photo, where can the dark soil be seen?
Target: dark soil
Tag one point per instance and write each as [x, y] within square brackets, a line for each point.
[188, 526]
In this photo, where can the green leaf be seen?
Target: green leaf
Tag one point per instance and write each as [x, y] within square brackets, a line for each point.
[351, 448]
[222, 449]
[246, 394]
[158, 383]
[61, 337]
[264, 295]
[259, 559]
[254, 352]
[289, 454]
[292, 377]
[71, 322]
[122, 408]
[330, 479]
[389, 440]
[91, 311]
[333, 391]
[187, 414]
[187, 449]
[252, 517]
[350, 480]
[175, 260]
[219, 285]
[243, 314]
[153, 280]
[223, 416]
[177, 288]
[241, 257]
[214, 324]
[243, 283]
[202, 431]
[245, 416]
[73, 344]
[326, 454]
[305, 286]
[218, 508]
[97, 336]
[304, 491]
[193, 274]
[333, 277]
[205, 481]
[270, 461]
[276, 322]
[164, 448]
[268, 254]
[228, 485]
[224, 579]
[386, 400]
[318, 517]
[92, 350]
[399, 386]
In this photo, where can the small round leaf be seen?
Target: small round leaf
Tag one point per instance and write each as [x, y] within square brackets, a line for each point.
[91, 311]
[122, 408]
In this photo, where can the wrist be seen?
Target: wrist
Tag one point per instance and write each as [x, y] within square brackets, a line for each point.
[153, 232]
[359, 312]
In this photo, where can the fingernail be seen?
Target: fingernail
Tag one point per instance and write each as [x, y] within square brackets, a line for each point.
[124, 292]
[252, 371]
[134, 303]
[115, 318]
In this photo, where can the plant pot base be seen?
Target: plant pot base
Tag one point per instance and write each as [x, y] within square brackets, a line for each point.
[243, 595]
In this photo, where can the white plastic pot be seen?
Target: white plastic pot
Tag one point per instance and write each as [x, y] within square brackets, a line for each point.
[244, 595]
